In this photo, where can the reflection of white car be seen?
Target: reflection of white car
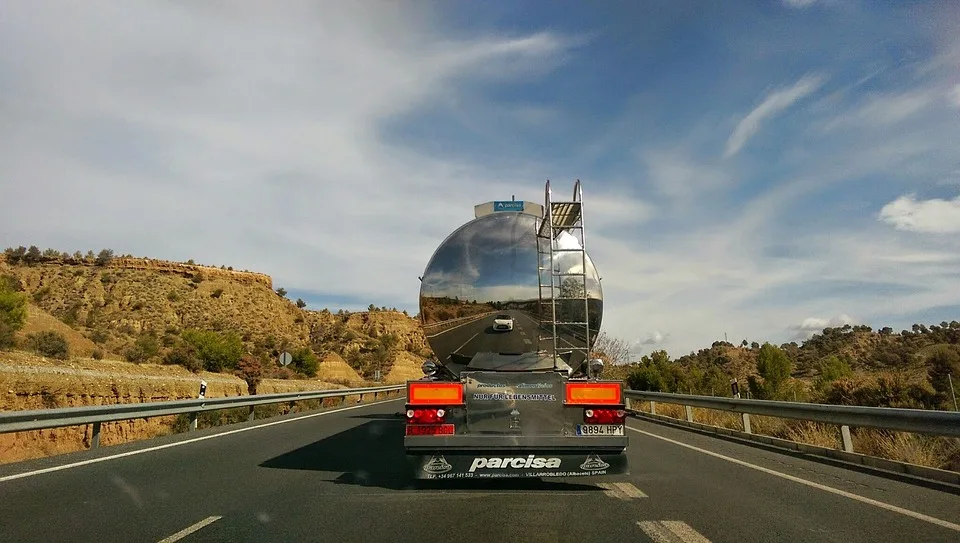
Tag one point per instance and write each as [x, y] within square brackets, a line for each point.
[503, 322]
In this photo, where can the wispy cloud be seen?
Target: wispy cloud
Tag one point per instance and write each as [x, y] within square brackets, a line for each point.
[773, 104]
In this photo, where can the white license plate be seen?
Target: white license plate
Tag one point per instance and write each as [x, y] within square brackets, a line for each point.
[599, 429]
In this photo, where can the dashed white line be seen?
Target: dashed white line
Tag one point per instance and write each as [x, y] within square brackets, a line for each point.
[465, 343]
[184, 442]
[189, 530]
[825, 488]
[671, 531]
[622, 491]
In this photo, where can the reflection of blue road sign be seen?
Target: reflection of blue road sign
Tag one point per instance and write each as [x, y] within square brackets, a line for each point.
[508, 206]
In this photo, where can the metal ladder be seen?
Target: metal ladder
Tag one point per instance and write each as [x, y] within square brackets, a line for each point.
[560, 285]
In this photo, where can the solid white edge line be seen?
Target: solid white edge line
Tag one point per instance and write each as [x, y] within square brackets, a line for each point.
[825, 488]
[189, 530]
[179, 443]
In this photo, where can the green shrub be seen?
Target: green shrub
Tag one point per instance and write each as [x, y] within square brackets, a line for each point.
[142, 350]
[216, 350]
[13, 311]
[49, 343]
[184, 355]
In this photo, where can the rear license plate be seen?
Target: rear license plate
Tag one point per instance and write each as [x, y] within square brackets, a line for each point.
[599, 429]
[430, 430]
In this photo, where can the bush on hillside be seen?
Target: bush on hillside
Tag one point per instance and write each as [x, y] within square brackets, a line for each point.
[184, 355]
[143, 349]
[13, 311]
[217, 351]
[305, 362]
[49, 343]
[251, 371]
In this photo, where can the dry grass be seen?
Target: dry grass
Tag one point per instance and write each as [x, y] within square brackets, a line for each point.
[39, 320]
[930, 451]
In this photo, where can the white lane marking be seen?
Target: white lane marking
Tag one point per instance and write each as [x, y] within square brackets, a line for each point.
[468, 341]
[177, 444]
[630, 490]
[527, 341]
[825, 488]
[189, 530]
[671, 531]
[621, 491]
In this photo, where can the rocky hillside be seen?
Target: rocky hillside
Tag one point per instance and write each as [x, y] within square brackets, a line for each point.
[153, 311]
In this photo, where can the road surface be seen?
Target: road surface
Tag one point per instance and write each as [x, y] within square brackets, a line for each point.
[334, 475]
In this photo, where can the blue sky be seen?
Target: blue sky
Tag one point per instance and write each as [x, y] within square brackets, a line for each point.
[760, 169]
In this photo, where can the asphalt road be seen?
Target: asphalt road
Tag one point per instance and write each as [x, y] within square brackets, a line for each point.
[479, 336]
[334, 476]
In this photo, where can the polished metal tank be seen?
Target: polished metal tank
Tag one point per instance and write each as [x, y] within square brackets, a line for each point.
[480, 294]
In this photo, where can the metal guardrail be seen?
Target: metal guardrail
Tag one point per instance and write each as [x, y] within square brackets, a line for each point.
[40, 419]
[921, 421]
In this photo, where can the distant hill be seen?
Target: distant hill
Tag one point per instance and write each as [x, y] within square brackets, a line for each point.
[146, 310]
[845, 365]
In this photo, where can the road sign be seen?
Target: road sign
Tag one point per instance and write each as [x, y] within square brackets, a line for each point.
[508, 206]
[285, 358]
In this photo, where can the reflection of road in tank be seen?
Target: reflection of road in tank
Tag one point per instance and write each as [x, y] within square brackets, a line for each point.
[565, 339]
[479, 336]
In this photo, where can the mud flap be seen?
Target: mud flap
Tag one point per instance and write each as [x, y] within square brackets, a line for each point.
[521, 464]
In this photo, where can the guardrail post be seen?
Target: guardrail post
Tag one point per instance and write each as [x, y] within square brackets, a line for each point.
[746, 422]
[847, 440]
[95, 436]
[628, 404]
[193, 420]
[252, 415]
[689, 413]
[653, 407]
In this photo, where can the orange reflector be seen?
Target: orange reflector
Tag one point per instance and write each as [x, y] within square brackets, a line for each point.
[593, 393]
[429, 429]
[427, 393]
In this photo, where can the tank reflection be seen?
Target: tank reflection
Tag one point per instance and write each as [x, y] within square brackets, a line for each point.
[480, 292]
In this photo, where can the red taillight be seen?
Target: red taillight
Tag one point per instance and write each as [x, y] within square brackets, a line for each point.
[604, 416]
[426, 415]
[427, 421]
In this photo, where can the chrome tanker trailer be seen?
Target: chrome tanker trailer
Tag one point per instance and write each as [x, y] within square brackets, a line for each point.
[511, 305]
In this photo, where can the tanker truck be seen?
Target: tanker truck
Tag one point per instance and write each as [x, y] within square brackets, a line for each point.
[511, 305]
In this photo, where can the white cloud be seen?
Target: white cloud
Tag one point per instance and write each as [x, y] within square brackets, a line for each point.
[934, 216]
[799, 3]
[775, 102]
[815, 325]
